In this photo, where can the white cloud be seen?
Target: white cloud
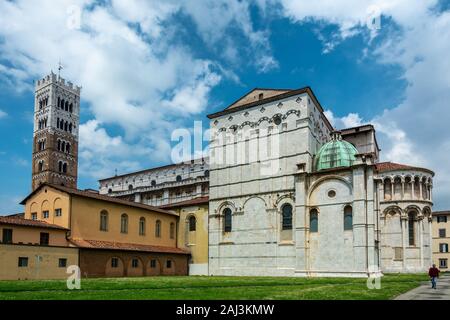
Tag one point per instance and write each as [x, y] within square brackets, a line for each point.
[133, 75]
[3, 114]
[416, 130]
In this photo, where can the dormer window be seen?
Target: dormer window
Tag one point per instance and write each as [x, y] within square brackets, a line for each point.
[261, 96]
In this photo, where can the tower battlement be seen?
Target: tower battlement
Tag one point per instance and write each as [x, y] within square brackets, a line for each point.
[57, 80]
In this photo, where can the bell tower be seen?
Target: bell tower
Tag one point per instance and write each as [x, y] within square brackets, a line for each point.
[55, 136]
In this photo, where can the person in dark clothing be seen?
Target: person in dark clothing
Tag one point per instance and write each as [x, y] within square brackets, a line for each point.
[434, 274]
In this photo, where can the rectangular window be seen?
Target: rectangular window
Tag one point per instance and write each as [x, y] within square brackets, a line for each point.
[44, 240]
[443, 263]
[135, 263]
[7, 236]
[169, 264]
[23, 262]
[153, 263]
[442, 233]
[58, 212]
[443, 247]
[114, 263]
[442, 219]
[34, 216]
[62, 263]
[45, 214]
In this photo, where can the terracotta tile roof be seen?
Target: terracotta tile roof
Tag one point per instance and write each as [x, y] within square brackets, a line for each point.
[201, 200]
[29, 223]
[441, 213]
[392, 166]
[91, 195]
[109, 245]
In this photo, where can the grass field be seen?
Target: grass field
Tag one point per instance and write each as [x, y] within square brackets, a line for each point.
[203, 288]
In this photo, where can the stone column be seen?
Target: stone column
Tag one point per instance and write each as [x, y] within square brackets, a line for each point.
[413, 192]
[392, 189]
[137, 197]
[165, 199]
[404, 221]
[360, 222]
[301, 230]
[420, 225]
[198, 189]
[403, 188]
[421, 191]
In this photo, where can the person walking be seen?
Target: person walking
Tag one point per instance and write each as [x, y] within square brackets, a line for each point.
[434, 274]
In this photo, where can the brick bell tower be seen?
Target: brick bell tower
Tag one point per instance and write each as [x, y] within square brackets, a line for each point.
[55, 137]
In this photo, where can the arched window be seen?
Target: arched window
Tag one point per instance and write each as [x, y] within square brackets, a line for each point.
[153, 183]
[70, 128]
[62, 104]
[411, 230]
[387, 189]
[60, 166]
[286, 212]
[41, 166]
[124, 223]
[130, 187]
[66, 107]
[109, 191]
[142, 226]
[313, 221]
[104, 220]
[63, 146]
[68, 147]
[71, 108]
[227, 220]
[172, 230]
[192, 223]
[65, 168]
[59, 145]
[66, 126]
[158, 229]
[397, 188]
[207, 173]
[179, 178]
[348, 218]
[59, 102]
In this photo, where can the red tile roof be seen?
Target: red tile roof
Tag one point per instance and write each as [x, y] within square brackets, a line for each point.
[441, 213]
[29, 223]
[109, 245]
[201, 200]
[87, 194]
[392, 166]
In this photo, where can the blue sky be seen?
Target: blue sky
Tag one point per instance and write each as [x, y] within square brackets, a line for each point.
[149, 67]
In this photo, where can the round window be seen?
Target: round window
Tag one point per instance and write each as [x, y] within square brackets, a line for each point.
[331, 193]
[277, 121]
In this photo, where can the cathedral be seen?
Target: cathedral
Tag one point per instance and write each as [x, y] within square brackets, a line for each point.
[281, 193]
[291, 196]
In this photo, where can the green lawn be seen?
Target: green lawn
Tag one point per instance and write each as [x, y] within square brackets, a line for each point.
[198, 288]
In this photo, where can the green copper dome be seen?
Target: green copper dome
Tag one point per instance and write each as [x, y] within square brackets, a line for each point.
[336, 153]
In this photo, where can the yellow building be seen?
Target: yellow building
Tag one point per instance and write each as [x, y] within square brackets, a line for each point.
[193, 232]
[441, 239]
[34, 250]
[115, 237]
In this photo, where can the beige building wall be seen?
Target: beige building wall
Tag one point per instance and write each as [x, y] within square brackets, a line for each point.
[49, 199]
[32, 235]
[195, 241]
[85, 223]
[43, 262]
[441, 259]
[82, 216]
